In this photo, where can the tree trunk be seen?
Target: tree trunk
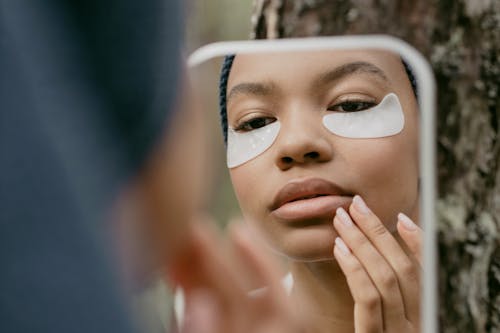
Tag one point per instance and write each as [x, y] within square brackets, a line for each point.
[461, 40]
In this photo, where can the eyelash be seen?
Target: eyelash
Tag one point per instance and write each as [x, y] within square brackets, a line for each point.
[347, 106]
[254, 123]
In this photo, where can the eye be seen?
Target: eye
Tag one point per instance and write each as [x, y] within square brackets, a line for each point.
[254, 123]
[351, 106]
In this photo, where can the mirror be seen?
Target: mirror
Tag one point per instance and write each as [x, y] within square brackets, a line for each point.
[310, 126]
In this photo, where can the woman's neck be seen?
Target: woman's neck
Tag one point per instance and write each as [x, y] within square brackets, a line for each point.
[322, 293]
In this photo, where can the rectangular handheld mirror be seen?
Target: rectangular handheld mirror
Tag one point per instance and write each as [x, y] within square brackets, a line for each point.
[333, 129]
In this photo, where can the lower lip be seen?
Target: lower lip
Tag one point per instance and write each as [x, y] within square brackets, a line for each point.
[319, 207]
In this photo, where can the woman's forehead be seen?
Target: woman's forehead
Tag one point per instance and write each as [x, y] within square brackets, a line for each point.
[313, 65]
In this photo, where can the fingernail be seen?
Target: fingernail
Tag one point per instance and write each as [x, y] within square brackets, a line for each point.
[344, 217]
[406, 222]
[360, 205]
[341, 245]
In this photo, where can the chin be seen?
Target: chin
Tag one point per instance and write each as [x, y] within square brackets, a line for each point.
[308, 244]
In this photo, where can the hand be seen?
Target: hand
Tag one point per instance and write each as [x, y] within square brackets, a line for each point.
[216, 280]
[383, 279]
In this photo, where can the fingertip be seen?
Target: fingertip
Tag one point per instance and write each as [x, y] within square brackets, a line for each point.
[406, 223]
[411, 235]
[202, 313]
[338, 254]
[339, 243]
[360, 205]
[234, 231]
[242, 236]
[237, 226]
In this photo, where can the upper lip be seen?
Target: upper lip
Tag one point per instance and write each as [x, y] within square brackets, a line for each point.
[304, 188]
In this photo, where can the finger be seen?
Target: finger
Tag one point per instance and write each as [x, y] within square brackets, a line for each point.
[367, 303]
[219, 276]
[405, 270]
[271, 309]
[259, 266]
[377, 268]
[202, 314]
[211, 268]
[271, 302]
[411, 235]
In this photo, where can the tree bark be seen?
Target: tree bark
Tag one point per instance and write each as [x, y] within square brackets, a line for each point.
[461, 40]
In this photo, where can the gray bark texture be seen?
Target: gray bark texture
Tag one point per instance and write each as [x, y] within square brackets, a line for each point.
[461, 40]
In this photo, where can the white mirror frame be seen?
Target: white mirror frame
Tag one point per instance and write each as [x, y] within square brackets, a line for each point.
[426, 100]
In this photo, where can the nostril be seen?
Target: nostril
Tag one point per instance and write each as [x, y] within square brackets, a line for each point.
[287, 160]
[312, 155]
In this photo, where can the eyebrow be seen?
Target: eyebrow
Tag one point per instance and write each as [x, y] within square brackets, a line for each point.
[251, 88]
[266, 89]
[347, 70]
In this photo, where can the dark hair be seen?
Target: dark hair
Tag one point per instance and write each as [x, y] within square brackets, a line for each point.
[224, 76]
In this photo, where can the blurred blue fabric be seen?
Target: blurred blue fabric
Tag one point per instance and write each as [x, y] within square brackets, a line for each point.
[86, 88]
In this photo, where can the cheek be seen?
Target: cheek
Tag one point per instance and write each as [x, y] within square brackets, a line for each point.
[246, 186]
[384, 161]
[252, 189]
[385, 173]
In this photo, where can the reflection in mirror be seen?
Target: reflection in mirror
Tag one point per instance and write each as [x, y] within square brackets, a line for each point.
[322, 150]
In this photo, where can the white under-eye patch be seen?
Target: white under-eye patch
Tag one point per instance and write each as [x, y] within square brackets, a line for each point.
[244, 146]
[384, 119]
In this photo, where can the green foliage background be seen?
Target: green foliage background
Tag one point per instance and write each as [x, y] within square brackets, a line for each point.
[208, 22]
[216, 20]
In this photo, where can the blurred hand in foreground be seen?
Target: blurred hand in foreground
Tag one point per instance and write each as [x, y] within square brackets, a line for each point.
[217, 275]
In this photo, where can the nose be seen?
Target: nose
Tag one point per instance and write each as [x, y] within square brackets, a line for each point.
[302, 140]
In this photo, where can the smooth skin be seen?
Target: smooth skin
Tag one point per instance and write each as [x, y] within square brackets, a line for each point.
[373, 285]
[383, 279]
[292, 88]
[161, 229]
[217, 275]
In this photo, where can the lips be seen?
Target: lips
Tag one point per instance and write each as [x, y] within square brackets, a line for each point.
[308, 199]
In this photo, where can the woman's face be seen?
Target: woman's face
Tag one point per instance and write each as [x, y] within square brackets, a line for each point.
[289, 193]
